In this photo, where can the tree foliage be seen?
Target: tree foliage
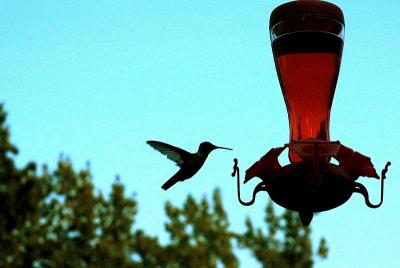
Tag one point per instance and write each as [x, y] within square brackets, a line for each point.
[294, 250]
[58, 219]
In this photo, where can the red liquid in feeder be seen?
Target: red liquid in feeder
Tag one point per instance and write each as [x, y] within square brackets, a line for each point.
[308, 67]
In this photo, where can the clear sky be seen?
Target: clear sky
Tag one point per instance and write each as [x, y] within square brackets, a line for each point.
[96, 79]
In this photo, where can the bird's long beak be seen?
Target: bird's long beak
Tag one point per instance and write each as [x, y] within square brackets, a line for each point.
[218, 147]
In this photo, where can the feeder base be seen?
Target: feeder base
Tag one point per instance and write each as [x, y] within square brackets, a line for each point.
[296, 188]
[302, 188]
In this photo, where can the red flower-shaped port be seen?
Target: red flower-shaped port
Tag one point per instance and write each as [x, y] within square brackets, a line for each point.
[349, 160]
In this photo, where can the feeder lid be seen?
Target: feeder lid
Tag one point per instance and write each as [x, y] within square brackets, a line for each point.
[314, 7]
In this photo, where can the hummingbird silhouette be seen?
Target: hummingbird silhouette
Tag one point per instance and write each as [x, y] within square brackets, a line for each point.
[189, 163]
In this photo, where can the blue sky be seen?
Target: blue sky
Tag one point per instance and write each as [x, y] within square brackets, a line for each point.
[96, 79]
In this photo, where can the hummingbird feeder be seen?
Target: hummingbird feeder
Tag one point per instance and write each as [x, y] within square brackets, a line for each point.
[307, 41]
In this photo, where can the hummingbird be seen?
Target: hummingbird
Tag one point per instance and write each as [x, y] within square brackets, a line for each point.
[189, 163]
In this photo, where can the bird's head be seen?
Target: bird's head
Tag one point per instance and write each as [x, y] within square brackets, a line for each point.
[206, 147]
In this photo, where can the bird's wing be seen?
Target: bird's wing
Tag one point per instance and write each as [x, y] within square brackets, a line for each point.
[178, 155]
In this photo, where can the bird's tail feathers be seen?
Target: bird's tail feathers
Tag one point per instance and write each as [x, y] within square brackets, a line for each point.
[171, 182]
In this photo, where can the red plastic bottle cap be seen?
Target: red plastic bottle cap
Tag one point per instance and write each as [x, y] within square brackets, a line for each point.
[314, 7]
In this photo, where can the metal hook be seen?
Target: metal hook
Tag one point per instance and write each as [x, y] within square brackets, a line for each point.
[359, 188]
[260, 187]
